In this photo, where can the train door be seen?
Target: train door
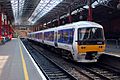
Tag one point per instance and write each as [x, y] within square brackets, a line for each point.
[55, 42]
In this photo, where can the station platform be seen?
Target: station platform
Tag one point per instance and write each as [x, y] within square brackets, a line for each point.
[113, 50]
[17, 64]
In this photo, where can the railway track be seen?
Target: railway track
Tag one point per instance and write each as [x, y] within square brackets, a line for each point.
[51, 70]
[105, 73]
[91, 71]
[97, 73]
[90, 74]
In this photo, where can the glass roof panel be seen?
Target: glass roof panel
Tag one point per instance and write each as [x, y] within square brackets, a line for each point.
[17, 7]
[43, 7]
[97, 2]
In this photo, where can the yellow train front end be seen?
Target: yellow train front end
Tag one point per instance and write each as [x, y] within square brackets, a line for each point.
[90, 44]
[90, 53]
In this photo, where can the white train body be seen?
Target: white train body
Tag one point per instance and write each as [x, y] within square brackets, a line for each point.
[84, 40]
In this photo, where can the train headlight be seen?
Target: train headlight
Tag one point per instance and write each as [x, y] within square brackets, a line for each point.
[83, 47]
[100, 46]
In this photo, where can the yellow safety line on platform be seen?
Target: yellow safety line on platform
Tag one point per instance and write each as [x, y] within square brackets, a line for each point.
[24, 64]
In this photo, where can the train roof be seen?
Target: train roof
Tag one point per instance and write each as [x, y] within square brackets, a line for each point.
[79, 24]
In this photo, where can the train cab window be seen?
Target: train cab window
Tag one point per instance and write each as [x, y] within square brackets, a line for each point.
[91, 33]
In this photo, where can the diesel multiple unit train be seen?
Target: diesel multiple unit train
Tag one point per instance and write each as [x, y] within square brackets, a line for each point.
[81, 41]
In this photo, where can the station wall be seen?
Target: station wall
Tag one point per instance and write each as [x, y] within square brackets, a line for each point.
[112, 28]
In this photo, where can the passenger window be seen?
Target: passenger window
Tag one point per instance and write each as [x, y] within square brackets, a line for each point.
[60, 35]
[66, 36]
[49, 36]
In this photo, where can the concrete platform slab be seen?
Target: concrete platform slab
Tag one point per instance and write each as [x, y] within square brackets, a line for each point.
[16, 63]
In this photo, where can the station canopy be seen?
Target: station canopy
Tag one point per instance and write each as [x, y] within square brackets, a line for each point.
[32, 12]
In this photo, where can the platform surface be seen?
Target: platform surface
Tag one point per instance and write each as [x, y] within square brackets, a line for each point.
[14, 66]
[113, 50]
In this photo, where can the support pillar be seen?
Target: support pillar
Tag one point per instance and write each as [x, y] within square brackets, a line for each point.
[70, 17]
[32, 28]
[58, 20]
[11, 33]
[9, 30]
[7, 26]
[0, 23]
[42, 26]
[46, 25]
[89, 18]
[5, 32]
[38, 27]
[35, 27]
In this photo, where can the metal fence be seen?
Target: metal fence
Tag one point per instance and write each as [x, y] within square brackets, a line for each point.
[113, 43]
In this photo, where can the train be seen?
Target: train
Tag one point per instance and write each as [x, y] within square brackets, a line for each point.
[82, 41]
